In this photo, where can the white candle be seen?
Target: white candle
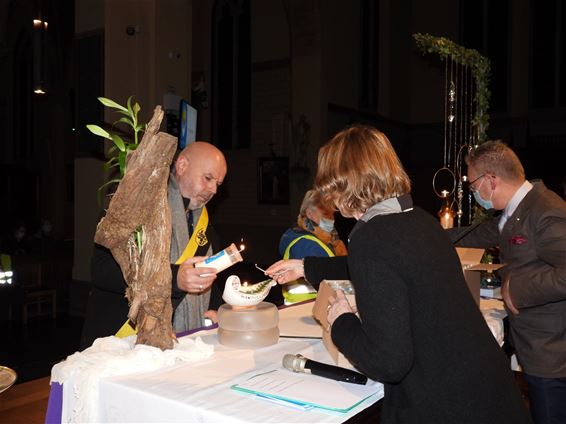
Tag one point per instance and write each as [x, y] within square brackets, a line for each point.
[222, 260]
[447, 220]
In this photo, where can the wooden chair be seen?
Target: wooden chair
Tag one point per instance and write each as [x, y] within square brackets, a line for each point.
[29, 276]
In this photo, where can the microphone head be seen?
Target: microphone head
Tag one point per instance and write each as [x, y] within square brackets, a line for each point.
[295, 363]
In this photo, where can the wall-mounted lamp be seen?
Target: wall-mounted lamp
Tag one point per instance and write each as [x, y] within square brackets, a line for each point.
[39, 30]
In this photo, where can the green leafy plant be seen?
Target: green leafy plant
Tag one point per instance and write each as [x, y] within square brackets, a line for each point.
[121, 148]
[118, 152]
[479, 65]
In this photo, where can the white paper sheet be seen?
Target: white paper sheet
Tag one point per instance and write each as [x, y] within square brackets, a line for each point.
[309, 390]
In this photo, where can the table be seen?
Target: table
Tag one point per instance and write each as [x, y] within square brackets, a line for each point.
[200, 391]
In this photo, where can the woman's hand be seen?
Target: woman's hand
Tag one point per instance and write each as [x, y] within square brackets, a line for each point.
[195, 280]
[286, 270]
[337, 306]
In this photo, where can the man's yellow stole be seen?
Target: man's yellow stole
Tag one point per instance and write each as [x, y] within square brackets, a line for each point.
[197, 246]
[198, 242]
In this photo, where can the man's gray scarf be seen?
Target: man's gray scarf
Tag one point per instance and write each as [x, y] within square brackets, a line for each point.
[189, 314]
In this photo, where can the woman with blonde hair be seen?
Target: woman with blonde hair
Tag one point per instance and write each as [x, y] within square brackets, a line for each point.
[415, 326]
[313, 235]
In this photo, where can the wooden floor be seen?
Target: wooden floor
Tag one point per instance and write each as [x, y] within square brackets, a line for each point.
[25, 403]
[31, 350]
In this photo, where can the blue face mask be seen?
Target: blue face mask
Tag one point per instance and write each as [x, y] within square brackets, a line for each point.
[486, 204]
[326, 225]
[309, 224]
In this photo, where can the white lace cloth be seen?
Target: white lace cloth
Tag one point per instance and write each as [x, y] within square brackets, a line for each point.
[494, 312]
[81, 372]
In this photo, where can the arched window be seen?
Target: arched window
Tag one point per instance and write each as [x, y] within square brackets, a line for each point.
[370, 54]
[485, 27]
[548, 54]
[22, 99]
[231, 77]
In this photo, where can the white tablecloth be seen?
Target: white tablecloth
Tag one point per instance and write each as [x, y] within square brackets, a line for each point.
[200, 391]
[494, 313]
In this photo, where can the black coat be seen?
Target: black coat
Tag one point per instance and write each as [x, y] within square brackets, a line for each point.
[420, 331]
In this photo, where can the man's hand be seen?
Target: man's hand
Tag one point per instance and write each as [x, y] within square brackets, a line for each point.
[506, 294]
[195, 280]
[212, 315]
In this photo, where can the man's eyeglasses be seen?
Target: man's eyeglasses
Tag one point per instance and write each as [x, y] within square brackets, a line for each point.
[471, 185]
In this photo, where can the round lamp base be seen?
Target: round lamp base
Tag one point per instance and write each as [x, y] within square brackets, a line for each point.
[250, 327]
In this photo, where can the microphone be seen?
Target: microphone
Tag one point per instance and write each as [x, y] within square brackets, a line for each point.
[298, 363]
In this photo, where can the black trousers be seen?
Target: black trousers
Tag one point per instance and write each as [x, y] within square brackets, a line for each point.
[547, 399]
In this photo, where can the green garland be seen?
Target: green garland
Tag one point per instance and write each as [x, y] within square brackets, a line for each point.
[471, 58]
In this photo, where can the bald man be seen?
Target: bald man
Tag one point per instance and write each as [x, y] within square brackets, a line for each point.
[199, 170]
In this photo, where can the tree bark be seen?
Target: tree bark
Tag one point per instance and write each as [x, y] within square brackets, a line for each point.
[140, 202]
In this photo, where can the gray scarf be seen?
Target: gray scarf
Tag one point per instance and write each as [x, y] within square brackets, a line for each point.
[189, 314]
[399, 204]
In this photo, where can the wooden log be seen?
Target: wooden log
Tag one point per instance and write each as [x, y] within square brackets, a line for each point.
[140, 202]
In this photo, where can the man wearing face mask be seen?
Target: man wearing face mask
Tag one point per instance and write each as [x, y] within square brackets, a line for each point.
[314, 235]
[531, 235]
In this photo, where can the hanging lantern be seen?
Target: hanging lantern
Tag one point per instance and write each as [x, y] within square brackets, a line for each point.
[446, 214]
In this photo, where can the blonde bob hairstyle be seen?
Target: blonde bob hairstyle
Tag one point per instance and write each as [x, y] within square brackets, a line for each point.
[313, 198]
[358, 168]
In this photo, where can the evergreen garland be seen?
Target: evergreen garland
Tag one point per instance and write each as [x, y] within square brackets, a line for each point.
[471, 58]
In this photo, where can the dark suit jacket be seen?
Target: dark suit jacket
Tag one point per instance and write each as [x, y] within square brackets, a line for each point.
[533, 246]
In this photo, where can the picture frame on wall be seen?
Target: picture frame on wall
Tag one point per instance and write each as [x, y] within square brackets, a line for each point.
[273, 180]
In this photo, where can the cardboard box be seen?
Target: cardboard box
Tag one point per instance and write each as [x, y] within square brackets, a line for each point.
[470, 258]
[320, 311]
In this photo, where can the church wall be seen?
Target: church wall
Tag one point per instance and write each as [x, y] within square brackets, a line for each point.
[342, 53]
[237, 212]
